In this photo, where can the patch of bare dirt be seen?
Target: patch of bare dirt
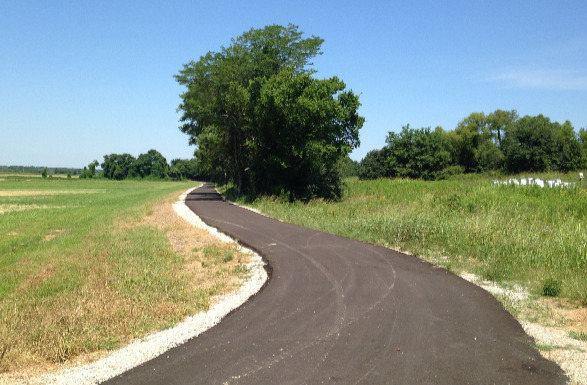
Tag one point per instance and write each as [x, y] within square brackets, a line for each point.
[12, 208]
[25, 193]
[52, 235]
[46, 272]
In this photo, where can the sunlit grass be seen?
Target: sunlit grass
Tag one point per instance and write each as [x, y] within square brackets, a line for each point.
[530, 235]
[81, 269]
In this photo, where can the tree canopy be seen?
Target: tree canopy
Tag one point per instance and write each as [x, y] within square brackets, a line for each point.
[499, 141]
[260, 119]
[151, 165]
[417, 153]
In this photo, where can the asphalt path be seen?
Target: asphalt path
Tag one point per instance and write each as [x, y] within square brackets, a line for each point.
[339, 311]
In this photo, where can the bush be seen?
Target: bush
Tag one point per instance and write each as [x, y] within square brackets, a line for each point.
[374, 165]
[551, 287]
[451, 171]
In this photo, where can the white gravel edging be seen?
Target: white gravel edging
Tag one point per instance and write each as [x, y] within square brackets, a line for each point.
[156, 344]
[567, 352]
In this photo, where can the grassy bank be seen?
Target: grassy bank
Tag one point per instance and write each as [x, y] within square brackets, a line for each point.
[88, 265]
[529, 235]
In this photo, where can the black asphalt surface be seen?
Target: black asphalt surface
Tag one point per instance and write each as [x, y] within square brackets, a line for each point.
[339, 311]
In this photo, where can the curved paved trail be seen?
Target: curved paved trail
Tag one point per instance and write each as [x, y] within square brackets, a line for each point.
[338, 311]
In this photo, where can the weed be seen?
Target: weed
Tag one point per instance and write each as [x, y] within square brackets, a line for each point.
[240, 270]
[551, 287]
[581, 336]
[216, 255]
[544, 347]
[202, 299]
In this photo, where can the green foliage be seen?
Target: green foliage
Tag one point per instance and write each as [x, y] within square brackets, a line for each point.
[530, 145]
[92, 167]
[304, 127]
[38, 170]
[476, 143]
[417, 153]
[151, 165]
[347, 167]
[261, 121]
[90, 171]
[374, 165]
[118, 167]
[85, 174]
[537, 144]
[451, 171]
[551, 287]
[470, 134]
[583, 140]
[570, 152]
[185, 169]
[580, 336]
[44, 173]
[497, 142]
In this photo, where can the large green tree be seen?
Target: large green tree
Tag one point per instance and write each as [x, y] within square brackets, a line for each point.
[417, 153]
[184, 169]
[476, 142]
[530, 145]
[499, 122]
[375, 164]
[151, 165]
[260, 119]
[118, 166]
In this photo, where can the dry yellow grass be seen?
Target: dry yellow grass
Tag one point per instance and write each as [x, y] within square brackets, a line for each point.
[83, 324]
[11, 208]
[24, 193]
[191, 243]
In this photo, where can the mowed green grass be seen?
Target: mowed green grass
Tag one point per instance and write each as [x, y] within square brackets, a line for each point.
[529, 235]
[79, 272]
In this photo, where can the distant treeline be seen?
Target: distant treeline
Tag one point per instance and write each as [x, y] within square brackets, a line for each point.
[151, 165]
[39, 170]
[497, 142]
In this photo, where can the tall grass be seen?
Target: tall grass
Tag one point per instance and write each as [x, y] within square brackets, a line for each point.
[529, 235]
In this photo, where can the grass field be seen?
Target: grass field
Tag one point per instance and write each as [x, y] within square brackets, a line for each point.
[88, 265]
[533, 236]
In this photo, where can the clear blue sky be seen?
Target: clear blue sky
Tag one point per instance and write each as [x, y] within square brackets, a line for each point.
[81, 79]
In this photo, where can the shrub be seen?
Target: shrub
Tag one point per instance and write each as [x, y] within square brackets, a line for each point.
[551, 287]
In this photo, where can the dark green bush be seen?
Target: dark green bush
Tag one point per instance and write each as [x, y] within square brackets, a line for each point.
[551, 287]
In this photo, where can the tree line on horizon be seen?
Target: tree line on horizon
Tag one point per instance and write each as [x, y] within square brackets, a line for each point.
[39, 169]
[151, 165]
[497, 142]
